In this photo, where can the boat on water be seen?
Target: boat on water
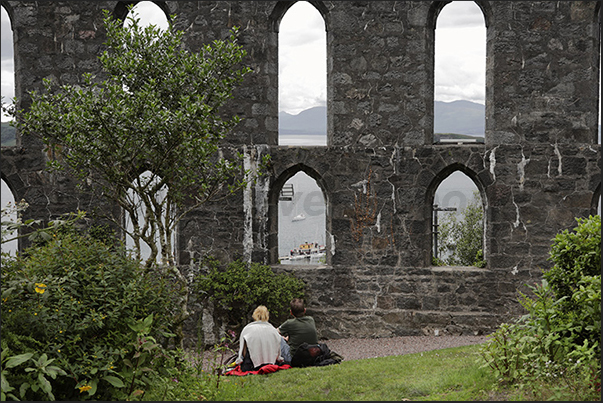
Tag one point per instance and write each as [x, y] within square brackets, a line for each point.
[299, 217]
[305, 251]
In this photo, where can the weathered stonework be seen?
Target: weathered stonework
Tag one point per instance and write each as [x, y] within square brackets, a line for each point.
[540, 166]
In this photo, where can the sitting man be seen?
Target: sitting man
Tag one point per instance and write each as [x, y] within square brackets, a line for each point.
[300, 329]
[260, 342]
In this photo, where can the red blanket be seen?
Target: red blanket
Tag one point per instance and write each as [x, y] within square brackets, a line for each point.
[263, 370]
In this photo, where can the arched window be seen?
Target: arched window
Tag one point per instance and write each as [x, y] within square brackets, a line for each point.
[460, 74]
[8, 78]
[8, 214]
[302, 53]
[149, 14]
[301, 222]
[458, 223]
[145, 180]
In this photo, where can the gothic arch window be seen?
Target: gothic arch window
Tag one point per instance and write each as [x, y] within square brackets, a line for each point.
[302, 76]
[8, 77]
[8, 201]
[145, 179]
[458, 220]
[459, 73]
[298, 217]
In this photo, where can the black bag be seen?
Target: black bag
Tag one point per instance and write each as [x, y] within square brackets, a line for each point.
[308, 355]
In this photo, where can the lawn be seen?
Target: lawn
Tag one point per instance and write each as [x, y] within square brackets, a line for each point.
[447, 374]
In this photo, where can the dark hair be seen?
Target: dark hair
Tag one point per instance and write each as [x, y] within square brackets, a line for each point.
[297, 307]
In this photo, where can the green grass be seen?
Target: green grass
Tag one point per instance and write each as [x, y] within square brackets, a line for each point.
[452, 374]
[449, 374]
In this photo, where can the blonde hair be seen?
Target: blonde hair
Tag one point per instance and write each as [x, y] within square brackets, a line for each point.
[261, 313]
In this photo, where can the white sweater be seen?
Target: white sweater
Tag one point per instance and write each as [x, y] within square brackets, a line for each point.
[263, 343]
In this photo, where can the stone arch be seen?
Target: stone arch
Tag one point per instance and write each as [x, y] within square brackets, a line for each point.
[273, 199]
[13, 246]
[120, 11]
[9, 12]
[281, 8]
[431, 20]
[431, 193]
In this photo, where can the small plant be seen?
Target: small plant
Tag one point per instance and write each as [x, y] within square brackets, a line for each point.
[238, 288]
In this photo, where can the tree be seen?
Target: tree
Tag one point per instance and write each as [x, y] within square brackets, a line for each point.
[157, 111]
[462, 235]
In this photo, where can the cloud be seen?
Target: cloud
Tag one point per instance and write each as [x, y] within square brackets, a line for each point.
[302, 54]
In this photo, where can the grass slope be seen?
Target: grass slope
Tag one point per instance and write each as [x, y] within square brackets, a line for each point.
[448, 374]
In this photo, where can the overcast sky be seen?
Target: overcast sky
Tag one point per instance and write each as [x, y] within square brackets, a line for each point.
[460, 54]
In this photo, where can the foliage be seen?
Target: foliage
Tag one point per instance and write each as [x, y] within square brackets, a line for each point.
[239, 287]
[72, 302]
[575, 254]
[158, 111]
[558, 342]
[462, 236]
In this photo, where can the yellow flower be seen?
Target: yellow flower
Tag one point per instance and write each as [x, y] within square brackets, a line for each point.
[40, 288]
[85, 388]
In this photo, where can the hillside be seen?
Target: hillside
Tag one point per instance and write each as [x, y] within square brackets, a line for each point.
[8, 135]
[460, 117]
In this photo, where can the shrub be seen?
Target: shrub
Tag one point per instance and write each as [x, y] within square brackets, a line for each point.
[76, 301]
[557, 343]
[239, 287]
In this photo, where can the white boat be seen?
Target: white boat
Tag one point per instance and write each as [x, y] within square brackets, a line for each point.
[299, 217]
[306, 251]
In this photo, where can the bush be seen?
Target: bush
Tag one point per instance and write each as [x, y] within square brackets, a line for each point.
[239, 287]
[557, 343]
[79, 303]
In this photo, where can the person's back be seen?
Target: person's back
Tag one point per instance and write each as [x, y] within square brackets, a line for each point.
[260, 342]
[300, 329]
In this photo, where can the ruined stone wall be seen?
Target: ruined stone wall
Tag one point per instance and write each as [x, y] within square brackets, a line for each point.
[538, 169]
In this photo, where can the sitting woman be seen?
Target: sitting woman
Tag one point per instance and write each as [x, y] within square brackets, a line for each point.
[260, 342]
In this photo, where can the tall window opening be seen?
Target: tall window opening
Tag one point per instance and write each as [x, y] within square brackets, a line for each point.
[458, 223]
[10, 215]
[302, 82]
[8, 133]
[301, 222]
[146, 180]
[460, 74]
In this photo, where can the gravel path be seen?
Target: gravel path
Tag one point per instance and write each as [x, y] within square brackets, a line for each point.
[357, 349]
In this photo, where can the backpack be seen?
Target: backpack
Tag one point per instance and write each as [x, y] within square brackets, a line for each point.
[319, 354]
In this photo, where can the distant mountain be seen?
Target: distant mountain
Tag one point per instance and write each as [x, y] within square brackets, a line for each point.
[460, 117]
[309, 121]
[8, 135]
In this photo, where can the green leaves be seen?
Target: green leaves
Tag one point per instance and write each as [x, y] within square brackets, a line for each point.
[239, 288]
[159, 109]
[559, 337]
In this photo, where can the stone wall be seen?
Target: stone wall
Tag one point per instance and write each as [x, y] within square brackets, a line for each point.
[538, 169]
